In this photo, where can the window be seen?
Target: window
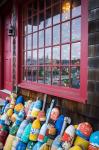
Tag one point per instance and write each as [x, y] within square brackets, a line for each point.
[54, 46]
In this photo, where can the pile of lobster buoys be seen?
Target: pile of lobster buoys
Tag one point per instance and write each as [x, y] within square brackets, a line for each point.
[27, 125]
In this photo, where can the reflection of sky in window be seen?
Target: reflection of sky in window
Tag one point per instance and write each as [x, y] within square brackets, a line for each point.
[76, 29]
[29, 42]
[56, 34]
[75, 51]
[34, 40]
[41, 22]
[48, 36]
[76, 11]
[65, 54]
[65, 16]
[56, 53]
[29, 28]
[41, 38]
[65, 32]
[56, 19]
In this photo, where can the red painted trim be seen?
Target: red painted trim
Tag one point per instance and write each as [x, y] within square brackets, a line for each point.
[84, 50]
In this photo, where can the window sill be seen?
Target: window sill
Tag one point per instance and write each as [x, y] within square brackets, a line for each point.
[67, 93]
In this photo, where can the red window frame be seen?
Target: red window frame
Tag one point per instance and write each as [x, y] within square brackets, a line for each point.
[79, 95]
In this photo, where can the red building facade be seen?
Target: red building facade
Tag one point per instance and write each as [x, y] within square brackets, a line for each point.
[44, 48]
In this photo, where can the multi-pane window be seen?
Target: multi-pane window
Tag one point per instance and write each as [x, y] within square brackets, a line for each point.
[52, 42]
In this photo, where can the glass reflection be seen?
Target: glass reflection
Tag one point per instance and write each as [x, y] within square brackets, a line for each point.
[56, 55]
[65, 10]
[24, 73]
[76, 29]
[25, 42]
[25, 28]
[41, 74]
[75, 77]
[56, 14]
[75, 53]
[34, 74]
[48, 75]
[29, 42]
[65, 32]
[48, 3]
[35, 24]
[48, 18]
[48, 37]
[65, 54]
[65, 77]
[48, 55]
[41, 38]
[41, 56]
[56, 75]
[29, 10]
[34, 61]
[41, 21]
[28, 57]
[34, 7]
[35, 40]
[76, 8]
[29, 74]
[29, 25]
[56, 34]
[24, 58]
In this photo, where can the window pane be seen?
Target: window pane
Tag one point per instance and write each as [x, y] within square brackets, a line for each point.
[29, 74]
[41, 21]
[41, 5]
[30, 10]
[48, 18]
[34, 74]
[76, 29]
[35, 24]
[24, 12]
[24, 74]
[48, 37]
[29, 25]
[34, 57]
[48, 75]
[65, 10]
[75, 53]
[56, 34]
[34, 40]
[65, 54]
[65, 76]
[56, 76]
[48, 3]
[34, 7]
[56, 13]
[24, 58]
[24, 28]
[41, 74]
[25, 43]
[28, 57]
[41, 38]
[75, 77]
[76, 8]
[65, 32]
[48, 55]
[56, 55]
[29, 42]
[41, 56]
